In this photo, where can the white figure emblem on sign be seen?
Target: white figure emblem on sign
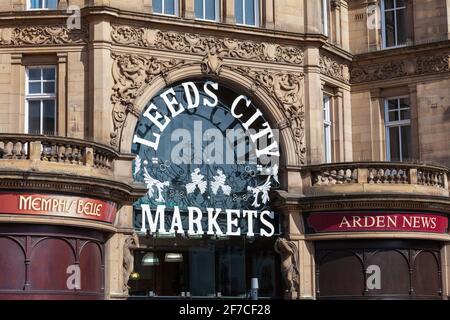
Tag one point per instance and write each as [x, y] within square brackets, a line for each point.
[219, 182]
[151, 183]
[264, 189]
[197, 182]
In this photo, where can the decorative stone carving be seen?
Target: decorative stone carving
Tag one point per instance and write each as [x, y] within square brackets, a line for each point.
[388, 175]
[401, 68]
[333, 69]
[199, 44]
[39, 35]
[337, 176]
[288, 89]
[288, 252]
[131, 242]
[212, 63]
[132, 73]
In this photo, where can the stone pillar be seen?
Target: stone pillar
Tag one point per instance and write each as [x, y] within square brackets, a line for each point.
[100, 82]
[345, 41]
[16, 97]
[62, 96]
[445, 267]
[229, 12]
[415, 123]
[188, 10]
[336, 6]
[313, 16]
[314, 108]
[377, 130]
[307, 269]
[269, 6]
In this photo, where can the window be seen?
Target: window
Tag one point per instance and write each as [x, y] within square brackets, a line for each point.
[207, 9]
[40, 114]
[43, 4]
[398, 128]
[167, 7]
[326, 128]
[325, 17]
[394, 23]
[246, 12]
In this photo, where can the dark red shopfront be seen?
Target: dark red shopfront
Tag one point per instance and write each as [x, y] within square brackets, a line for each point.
[43, 261]
[369, 266]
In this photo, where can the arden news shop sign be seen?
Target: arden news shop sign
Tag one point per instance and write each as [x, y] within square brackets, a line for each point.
[377, 221]
[56, 205]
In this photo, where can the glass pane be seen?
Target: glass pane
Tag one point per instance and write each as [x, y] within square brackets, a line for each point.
[198, 8]
[390, 29]
[250, 12]
[405, 114]
[34, 74]
[202, 272]
[401, 27]
[49, 87]
[393, 115]
[400, 3]
[232, 272]
[388, 4]
[48, 114]
[393, 104]
[52, 4]
[169, 7]
[34, 87]
[394, 144]
[404, 103]
[48, 73]
[36, 4]
[157, 6]
[238, 11]
[34, 117]
[210, 9]
[406, 142]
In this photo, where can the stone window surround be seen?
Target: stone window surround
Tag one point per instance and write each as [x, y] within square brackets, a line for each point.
[19, 64]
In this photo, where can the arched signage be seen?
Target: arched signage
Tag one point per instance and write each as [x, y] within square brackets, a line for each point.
[209, 160]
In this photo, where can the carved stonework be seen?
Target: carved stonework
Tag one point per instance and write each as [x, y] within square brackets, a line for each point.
[199, 44]
[288, 89]
[212, 63]
[288, 252]
[334, 69]
[40, 35]
[132, 73]
[401, 68]
[131, 242]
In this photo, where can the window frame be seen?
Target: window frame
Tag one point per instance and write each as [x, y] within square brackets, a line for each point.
[176, 9]
[40, 97]
[327, 124]
[216, 11]
[29, 8]
[325, 19]
[395, 124]
[256, 6]
[383, 25]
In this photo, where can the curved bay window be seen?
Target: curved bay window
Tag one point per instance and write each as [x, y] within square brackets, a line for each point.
[209, 160]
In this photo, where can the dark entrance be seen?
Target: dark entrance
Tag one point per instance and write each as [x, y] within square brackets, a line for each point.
[407, 270]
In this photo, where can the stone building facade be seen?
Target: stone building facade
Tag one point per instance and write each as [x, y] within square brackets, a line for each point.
[356, 89]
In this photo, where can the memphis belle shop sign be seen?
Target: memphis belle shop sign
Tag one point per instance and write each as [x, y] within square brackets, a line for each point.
[209, 160]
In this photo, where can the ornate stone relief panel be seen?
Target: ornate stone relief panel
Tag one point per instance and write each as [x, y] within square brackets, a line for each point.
[202, 45]
[43, 35]
[426, 64]
[334, 69]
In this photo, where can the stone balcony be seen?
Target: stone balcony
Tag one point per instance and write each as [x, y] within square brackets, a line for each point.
[66, 165]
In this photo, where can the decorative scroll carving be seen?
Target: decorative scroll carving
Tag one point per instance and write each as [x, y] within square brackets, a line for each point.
[334, 69]
[288, 89]
[40, 35]
[288, 252]
[199, 44]
[401, 68]
[132, 73]
[131, 242]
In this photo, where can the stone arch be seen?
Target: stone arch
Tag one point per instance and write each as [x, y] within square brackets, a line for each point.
[292, 151]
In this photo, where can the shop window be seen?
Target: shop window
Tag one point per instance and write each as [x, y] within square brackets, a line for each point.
[398, 129]
[40, 104]
[394, 23]
[327, 128]
[165, 7]
[207, 10]
[42, 4]
[247, 12]
[324, 9]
